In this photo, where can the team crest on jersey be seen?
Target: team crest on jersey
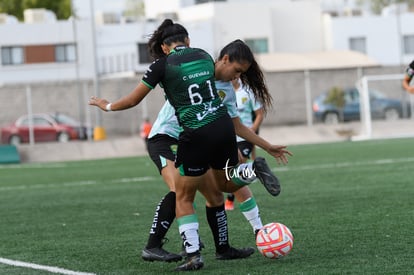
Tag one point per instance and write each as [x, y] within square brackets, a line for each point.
[174, 148]
[222, 94]
[244, 100]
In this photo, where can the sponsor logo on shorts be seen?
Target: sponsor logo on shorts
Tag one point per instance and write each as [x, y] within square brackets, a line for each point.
[195, 169]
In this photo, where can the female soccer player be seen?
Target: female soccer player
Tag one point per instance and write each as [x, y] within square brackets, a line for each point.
[162, 145]
[409, 74]
[187, 77]
[247, 105]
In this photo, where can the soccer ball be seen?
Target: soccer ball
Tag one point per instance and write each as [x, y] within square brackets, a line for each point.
[274, 240]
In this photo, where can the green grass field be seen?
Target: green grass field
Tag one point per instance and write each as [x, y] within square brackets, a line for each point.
[349, 206]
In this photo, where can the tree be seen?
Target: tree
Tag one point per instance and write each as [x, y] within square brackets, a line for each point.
[378, 5]
[336, 97]
[12, 7]
[134, 9]
[62, 8]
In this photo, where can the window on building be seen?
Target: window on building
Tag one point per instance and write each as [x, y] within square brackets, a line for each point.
[259, 45]
[65, 53]
[408, 45]
[143, 54]
[358, 44]
[12, 55]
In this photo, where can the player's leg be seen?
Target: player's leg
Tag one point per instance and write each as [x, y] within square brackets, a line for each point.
[186, 187]
[163, 218]
[217, 220]
[234, 176]
[258, 168]
[253, 154]
[244, 195]
[194, 160]
[161, 152]
[249, 208]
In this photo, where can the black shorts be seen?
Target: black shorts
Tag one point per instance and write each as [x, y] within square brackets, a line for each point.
[161, 148]
[211, 146]
[245, 148]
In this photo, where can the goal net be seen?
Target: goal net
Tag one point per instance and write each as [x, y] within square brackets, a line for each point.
[380, 116]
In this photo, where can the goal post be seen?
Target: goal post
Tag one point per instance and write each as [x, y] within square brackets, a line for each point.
[363, 86]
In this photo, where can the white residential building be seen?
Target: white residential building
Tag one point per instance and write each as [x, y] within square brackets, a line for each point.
[387, 39]
[63, 50]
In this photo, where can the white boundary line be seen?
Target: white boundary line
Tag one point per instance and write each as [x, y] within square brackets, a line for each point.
[32, 166]
[342, 164]
[77, 183]
[50, 185]
[139, 179]
[52, 269]
[274, 169]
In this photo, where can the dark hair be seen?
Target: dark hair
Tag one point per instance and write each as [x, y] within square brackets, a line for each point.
[168, 32]
[412, 65]
[253, 78]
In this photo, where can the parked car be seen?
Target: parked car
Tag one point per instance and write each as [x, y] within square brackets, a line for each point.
[46, 127]
[381, 107]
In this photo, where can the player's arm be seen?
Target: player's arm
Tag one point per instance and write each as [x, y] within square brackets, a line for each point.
[259, 116]
[406, 84]
[128, 101]
[277, 151]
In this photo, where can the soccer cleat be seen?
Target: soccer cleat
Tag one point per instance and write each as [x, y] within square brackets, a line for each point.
[266, 177]
[159, 254]
[229, 205]
[194, 262]
[235, 253]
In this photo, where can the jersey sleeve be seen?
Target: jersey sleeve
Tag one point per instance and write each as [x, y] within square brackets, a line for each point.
[154, 73]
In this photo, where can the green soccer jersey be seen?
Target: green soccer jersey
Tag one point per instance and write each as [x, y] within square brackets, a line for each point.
[187, 77]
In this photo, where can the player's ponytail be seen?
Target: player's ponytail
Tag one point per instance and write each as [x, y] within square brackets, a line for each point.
[168, 32]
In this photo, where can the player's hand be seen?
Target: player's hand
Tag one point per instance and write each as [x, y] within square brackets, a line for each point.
[280, 153]
[99, 102]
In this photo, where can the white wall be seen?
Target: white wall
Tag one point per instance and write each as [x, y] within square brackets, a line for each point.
[117, 45]
[242, 21]
[201, 33]
[382, 38]
[297, 27]
[153, 8]
[288, 26]
[49, 33]
[116, 49]
[406, 26]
